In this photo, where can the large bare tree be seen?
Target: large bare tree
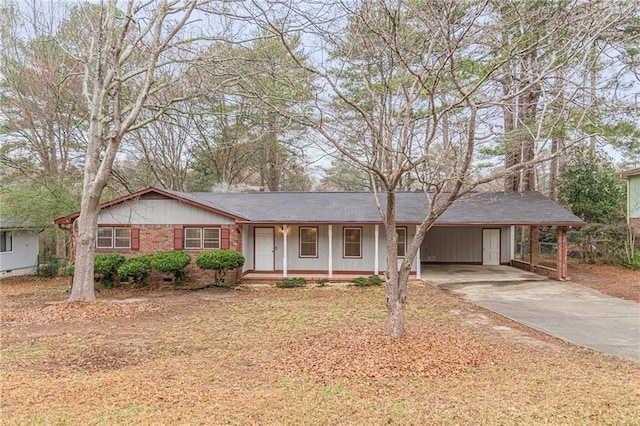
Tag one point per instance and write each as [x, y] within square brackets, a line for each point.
[121, 59]
[415, 84]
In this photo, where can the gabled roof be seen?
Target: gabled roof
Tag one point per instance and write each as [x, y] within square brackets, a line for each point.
[11, 223]
[632, 172]
[146, 192]
[495, 208]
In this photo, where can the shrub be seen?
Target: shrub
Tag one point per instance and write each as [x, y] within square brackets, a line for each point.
[367, 282]
[50, 269]
[106, 267]
[137, 269]
[291, 282]
[171, 262]
[630, 261]
[322, 281]
[220, 261]
[70, 269]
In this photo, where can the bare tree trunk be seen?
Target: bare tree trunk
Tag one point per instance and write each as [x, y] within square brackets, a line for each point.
[513, 150]
[83, 283]
[553, 169]
[396, 288]
[527, 113]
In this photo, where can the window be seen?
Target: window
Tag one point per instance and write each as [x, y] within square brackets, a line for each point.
[6, 241]
[308, 241]
[201, 238]
[352, 242]
[402, 241]
[109, 237]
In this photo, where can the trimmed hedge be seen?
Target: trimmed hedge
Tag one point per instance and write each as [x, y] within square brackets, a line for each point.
[106, 266]
[137, 269]
[171, 262]
[220, 261]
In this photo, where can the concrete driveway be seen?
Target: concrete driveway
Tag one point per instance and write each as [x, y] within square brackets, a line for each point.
[566, 310]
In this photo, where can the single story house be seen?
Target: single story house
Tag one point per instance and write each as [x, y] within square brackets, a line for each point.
[325, 234]
[19, 248]
[633, 197]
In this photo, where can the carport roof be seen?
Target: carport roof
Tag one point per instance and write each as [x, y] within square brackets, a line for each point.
[483, 208]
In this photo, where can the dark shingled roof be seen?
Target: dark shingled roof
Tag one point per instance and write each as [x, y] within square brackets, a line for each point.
[492, 208]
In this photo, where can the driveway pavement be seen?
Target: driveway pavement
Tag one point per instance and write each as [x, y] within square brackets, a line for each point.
[566, 310]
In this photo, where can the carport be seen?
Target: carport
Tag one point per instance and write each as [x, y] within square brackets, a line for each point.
[440, 274]
[481, 229]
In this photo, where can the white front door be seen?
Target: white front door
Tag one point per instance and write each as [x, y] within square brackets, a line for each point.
[490, 246]
[264, 249]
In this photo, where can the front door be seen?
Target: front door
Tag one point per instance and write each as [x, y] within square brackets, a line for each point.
[264, 251]
[490, 246]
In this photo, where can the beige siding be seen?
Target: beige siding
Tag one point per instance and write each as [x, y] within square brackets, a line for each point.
[452, 244]
[159, 212]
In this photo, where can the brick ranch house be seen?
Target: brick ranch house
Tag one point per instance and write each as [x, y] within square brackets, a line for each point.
[329, 235]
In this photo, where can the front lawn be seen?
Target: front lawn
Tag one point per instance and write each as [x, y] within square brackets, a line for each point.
[318, 355]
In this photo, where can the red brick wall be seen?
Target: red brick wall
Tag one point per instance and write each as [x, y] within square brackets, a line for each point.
[157, 238]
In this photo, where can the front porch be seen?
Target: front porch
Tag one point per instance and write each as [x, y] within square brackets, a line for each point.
[435, 274]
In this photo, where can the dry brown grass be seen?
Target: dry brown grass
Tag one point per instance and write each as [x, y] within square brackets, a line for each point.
[296, 356]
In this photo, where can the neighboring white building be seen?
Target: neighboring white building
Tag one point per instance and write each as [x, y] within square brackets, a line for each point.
[19, 248]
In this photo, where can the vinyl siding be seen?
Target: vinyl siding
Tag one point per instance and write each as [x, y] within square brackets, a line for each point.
[159, 212]
[452, 244]
[23, 258]
[634, 196]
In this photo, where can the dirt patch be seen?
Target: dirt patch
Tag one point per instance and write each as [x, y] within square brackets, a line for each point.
[612, 280]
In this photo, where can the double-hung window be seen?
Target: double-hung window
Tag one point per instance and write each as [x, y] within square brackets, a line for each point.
[6, 241]
[402, 241]
[308, 241]
[113, 238]
[201, 238]
[352, 242]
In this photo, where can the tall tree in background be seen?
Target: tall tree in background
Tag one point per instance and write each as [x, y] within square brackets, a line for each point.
[416, 82]
[42, 121]
[591, 188]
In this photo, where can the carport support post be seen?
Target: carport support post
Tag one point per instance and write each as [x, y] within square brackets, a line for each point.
[561, 263]
[533, 248]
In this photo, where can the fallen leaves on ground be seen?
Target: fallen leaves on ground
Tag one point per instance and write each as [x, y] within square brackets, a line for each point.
[368, 352]
[301, 356]
[81, 311]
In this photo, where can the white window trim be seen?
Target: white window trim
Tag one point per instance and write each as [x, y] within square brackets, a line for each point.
[113, 238]
[202, 230]
[315, 255]
[10, 234]
[404, 241]
[344, 242]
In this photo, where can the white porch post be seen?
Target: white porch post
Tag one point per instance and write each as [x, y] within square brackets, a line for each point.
[284, 251]
[418, 265]
[376, 262]
[330, 266]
